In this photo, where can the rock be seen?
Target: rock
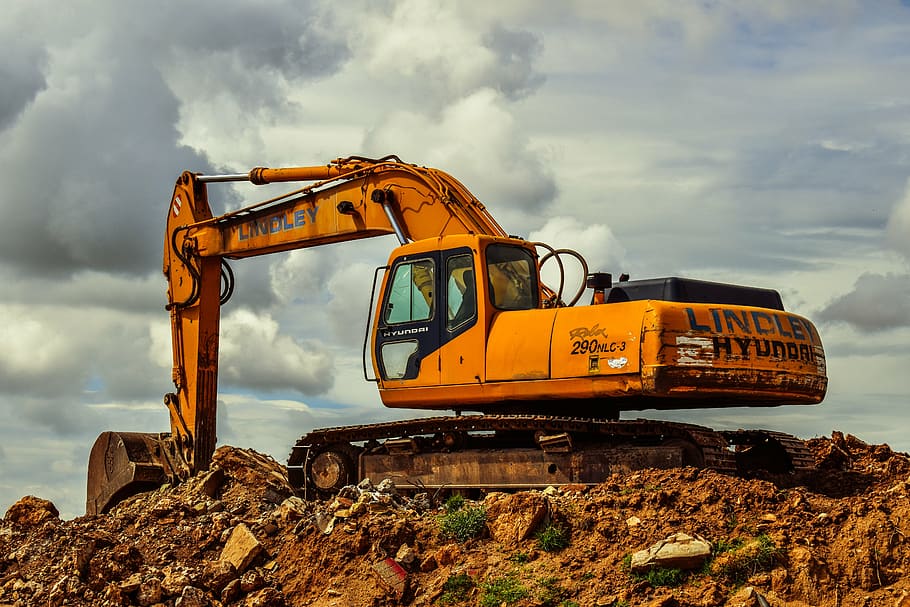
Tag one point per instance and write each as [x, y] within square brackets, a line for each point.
[193, 597]
[291, 509]
[513, 518]
[325, 522]
[218, 574]
[212, 482]
[428, 563]
[174, 581]
[150, 592]
[241, 548]
[633, 521]
[406, 555]
[30, 511]
[446, 555]
[251, 580]
[267, 597]
[231, 592]
[678, 551]
[81, 555]
[387, 486]
[131, 584]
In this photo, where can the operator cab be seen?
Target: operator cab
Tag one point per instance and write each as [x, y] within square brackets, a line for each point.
[438, 290]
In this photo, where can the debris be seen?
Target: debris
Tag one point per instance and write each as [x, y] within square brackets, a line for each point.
[839, 537]
[30, 511]
[392, 575]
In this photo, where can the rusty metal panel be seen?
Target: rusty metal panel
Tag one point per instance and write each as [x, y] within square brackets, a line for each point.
[744, 353]
[515, 468]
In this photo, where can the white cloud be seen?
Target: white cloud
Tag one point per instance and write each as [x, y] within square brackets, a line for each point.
[877, 302]
[898, 231]
[434, 47]
[256, 354]
[474, 138]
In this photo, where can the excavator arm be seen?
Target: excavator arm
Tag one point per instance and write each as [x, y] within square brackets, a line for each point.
[347, 199]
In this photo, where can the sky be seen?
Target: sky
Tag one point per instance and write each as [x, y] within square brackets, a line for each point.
[763, 143]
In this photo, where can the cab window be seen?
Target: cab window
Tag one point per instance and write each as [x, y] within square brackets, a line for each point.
[512, 273]
[461, 297]
[411, 294]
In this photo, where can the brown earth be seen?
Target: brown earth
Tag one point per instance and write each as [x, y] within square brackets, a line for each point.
[234, 536]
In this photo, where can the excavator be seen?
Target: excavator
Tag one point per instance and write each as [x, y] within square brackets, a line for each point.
[532, 383]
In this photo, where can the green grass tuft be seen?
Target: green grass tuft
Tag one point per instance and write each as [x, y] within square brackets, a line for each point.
[502, 590]
[742, 560]
[552, 538]
[456, 589]
[463, 524]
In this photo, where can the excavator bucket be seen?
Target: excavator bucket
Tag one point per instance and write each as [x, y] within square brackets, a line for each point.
[122, 464]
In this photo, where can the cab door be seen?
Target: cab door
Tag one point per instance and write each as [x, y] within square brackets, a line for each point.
[407, 336]
[462, 329]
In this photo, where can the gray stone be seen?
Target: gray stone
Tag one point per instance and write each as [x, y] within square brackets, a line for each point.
[678, 551]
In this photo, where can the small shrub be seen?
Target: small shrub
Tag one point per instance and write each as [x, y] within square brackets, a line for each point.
[723, 545]
[453, 503]
[464, 524]
[456, 589]
[552, 538]
[745, 559]
[661, 576]
[502, 590]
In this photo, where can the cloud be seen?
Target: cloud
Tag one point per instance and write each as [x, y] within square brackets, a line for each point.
[876, 303]
[879, 301]
[898, 231]
[438, 49]
[472, 135]
[89, 162]
[256, 354]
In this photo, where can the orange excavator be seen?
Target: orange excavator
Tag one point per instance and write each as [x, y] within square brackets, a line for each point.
[463, 323]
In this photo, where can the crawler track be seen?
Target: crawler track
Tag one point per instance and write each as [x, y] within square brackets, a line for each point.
[511, 451]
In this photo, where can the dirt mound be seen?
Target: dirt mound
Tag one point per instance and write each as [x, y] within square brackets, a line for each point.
[237, 535]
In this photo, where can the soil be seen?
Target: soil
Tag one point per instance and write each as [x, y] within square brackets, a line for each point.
[237, 536]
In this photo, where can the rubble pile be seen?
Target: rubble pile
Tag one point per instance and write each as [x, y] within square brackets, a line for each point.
[237, 535]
